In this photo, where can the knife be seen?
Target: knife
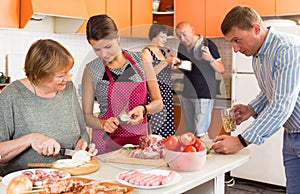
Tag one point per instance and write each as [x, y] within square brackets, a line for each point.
[66, 152]
[69, 152]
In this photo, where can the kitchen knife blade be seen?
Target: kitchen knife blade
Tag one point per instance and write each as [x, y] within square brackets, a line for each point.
[69, 152]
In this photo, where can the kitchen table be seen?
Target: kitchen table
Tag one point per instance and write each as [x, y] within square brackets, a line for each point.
[210, 179]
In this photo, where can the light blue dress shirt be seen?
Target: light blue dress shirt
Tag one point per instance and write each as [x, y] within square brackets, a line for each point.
[277, 70]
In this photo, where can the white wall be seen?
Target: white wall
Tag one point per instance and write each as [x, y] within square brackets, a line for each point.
[14, 41]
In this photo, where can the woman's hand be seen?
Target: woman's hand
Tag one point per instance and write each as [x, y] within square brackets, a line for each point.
[44, 145]
[172, 60]
[110, 125]
[83, 145]
[137, 115]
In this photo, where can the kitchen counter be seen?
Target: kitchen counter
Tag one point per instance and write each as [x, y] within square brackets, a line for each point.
[210, 179]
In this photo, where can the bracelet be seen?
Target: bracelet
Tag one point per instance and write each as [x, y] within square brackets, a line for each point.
[145, 109]
[242, 140]
[212, 60]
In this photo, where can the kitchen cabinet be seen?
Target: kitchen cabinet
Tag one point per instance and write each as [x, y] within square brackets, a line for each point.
[94, 7]
[165, 14]
[287, 7]
[141, 13]
[120, 12]
[134, 19]
[9, 13]
[264, 8]
[192, 11]
[206, 17]
[215, 15]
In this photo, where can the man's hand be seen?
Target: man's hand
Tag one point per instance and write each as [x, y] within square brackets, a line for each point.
[227, 144]
[206, 55]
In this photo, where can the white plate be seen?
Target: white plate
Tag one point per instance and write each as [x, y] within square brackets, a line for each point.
[175, 180]
[7, 178]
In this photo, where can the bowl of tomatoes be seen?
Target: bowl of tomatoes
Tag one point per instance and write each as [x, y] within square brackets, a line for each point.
[185, 152]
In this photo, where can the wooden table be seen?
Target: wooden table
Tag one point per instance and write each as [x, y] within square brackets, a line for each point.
[210, 179]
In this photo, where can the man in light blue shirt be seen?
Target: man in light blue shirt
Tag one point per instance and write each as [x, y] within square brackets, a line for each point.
[276, 64]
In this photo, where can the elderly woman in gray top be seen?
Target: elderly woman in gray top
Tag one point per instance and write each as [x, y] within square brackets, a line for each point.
[41, 114]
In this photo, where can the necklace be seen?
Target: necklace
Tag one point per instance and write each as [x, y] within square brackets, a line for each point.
[33, 88]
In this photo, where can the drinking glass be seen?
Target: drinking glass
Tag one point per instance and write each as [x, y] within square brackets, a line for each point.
[229, 120]
[155, 5]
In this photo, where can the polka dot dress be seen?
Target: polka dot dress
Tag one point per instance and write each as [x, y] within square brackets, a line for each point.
[162, 123]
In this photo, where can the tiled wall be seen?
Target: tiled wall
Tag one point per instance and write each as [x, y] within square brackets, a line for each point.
[18, 41]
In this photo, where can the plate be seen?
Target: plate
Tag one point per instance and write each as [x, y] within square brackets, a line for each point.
[7, 178]
[175, 180]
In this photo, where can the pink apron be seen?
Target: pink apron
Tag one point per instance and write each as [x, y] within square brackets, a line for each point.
[121, 94]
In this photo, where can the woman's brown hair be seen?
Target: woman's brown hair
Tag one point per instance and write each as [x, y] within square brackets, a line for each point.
[44, 58]
[101, 27]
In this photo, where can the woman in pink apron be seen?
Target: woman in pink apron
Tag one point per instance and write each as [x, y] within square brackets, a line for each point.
[120, 81]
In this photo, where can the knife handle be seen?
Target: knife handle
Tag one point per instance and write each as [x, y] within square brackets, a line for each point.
[62, 151]
[39, 165]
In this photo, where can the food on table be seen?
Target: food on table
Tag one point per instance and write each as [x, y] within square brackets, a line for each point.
[18, 185]
[185, 161]
[81, 155]
[199, 145]
[190, 148]
[155, 142]
[138, 178]
[85, 186]
[186, 142]
[150, 147]
[129, 147]
[144, 154]
[39, 177]
[67, 163]
[185, 152]
[79, 158]
[172, 143]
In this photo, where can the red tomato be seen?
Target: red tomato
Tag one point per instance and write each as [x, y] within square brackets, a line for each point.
[187, 139]
[171, 143]
[199, 145]
[190, 148]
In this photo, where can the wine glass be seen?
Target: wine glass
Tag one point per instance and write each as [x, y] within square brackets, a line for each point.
[229, 120]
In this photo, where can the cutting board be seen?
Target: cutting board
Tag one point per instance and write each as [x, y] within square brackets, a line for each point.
[86, 168]
[121, 156]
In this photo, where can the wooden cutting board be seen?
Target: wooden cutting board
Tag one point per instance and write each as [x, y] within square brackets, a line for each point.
[86, 168]
[121, 156]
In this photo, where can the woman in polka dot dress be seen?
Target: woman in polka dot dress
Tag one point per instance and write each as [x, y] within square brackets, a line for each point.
[162, 123]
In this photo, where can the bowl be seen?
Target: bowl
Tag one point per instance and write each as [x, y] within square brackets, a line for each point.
[185, 161]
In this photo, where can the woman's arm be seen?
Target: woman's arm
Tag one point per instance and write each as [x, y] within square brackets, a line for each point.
[172, 60]
[88, 100]
[42, 144]
[156, 103]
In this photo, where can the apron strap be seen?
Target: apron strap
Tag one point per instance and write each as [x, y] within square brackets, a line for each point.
[111, 80]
